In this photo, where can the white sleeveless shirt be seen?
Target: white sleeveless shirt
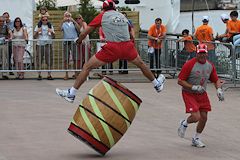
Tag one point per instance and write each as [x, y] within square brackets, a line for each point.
[18, 35]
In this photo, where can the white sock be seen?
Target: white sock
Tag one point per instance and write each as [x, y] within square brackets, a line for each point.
[155, 82]
[197, 135]
[185, 123]
[73, 91]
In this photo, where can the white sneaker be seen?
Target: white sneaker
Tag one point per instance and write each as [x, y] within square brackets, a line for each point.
[161, 79]
[182, 129]
[65, 94]
[196, 142]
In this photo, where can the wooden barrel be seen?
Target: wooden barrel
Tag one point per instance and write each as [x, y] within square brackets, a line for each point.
[104, 115]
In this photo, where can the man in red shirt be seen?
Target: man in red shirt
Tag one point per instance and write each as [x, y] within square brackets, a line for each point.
[118, 46]
[193, 79]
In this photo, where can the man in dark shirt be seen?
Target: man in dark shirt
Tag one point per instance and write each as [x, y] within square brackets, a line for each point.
[10, 25]
[5, 34]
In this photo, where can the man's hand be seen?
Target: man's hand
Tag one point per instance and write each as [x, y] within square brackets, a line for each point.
[76, 40]
[198, 88]
[220, 94]
[39, 30]
[159, 41]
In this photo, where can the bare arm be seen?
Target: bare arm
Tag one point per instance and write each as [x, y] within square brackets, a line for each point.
[76, 25]
[83, 34]
[64, 20]
[152, 38]
[84, 25]
[223, 35]
[226, 31]
[52, 32]
[163, 36]
[219, 83]
[212, 38]
[233, 32]
[35, 35]
[181, 40]
[10, 34]
[185, 84]
[25, 34]
[132, 33]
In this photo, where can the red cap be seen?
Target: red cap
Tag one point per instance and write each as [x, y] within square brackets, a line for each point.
[202, 48]
[107, 4]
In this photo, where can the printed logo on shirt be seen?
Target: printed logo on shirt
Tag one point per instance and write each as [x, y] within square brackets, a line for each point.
[208, 71]
[198, 73]
[119, 21]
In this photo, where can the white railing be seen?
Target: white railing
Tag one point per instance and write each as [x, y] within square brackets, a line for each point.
[59, 55]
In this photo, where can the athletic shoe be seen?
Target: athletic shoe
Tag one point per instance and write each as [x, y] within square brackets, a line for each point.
[161, 79]
[196, 142]
[182, 129]
[65, 94]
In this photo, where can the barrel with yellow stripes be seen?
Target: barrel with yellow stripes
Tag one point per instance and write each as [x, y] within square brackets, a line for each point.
[104, 115]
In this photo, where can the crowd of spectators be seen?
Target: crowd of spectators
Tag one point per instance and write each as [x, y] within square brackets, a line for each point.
[14, 37]
[205, 34]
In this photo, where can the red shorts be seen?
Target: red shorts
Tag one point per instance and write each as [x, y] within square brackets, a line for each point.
[196, 102]
[113, 51]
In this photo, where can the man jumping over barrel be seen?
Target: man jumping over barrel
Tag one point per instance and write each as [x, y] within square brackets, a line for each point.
[119, 46]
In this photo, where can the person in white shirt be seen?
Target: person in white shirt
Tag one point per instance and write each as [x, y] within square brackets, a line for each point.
[44, 46]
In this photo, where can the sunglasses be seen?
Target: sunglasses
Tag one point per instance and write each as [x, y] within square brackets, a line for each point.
[44, 20]
[201, 53]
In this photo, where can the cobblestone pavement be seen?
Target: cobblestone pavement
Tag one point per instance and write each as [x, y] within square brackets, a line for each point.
[34, 122]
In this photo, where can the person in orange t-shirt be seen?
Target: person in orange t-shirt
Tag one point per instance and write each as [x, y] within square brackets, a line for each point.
[189, 50]
[234, 28]
[156, 34]
[225, 36]
[204, 34]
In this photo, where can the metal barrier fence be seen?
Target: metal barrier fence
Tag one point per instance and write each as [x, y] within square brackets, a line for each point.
[61, 55]
[226, 59]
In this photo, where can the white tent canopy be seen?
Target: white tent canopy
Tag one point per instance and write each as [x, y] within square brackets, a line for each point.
[25, 14]
[62, 3]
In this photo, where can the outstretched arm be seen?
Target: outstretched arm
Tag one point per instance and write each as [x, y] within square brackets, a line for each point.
[184, 84]
[218, 86]
[219, 83]
[83, 34]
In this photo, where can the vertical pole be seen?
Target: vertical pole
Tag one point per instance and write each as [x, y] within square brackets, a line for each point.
[193, 7]
[234, 65]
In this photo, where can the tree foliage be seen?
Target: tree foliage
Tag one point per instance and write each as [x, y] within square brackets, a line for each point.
[88, 12]
[123, 8]
[49, 4]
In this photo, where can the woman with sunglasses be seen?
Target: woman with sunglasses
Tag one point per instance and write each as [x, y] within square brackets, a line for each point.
[85, 45]
[20, 37]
